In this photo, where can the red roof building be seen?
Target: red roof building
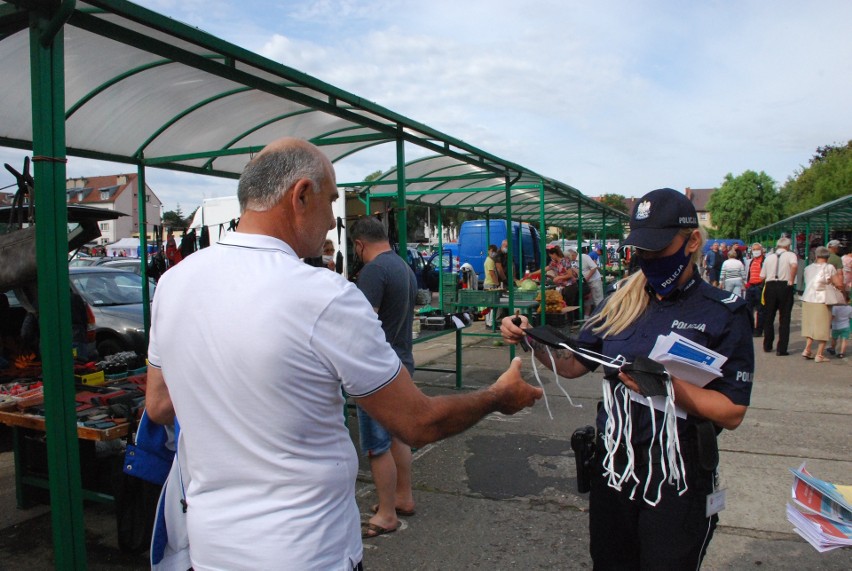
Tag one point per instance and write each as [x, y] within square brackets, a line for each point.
[115, 192]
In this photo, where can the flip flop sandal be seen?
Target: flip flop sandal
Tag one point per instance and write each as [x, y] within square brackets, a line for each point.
[399, 511]
[370, 530]
[807, 355]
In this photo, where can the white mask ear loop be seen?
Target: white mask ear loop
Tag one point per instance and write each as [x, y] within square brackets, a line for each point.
[558, 384]
[538, 379]
[605, 360]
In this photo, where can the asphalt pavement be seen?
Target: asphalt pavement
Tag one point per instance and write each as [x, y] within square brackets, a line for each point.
[503, 495]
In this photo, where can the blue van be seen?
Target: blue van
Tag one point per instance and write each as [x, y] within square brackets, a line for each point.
[473, 246]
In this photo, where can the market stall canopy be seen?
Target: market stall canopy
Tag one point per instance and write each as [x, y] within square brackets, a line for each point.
[449, 182]
[833, 215]
[172, 96]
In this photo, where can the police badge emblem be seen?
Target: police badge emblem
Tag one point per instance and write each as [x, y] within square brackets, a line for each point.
[643, 210]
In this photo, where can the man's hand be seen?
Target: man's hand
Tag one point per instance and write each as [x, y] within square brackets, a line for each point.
[511, 392]
[514, 334]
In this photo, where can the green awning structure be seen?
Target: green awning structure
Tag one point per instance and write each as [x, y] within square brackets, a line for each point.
[823, 219]
[110, 80]
[833, 215]
[450, 183]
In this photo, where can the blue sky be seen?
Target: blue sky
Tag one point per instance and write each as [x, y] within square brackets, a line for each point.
[608, 96]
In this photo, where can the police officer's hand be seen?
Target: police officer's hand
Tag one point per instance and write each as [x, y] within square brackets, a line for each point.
[512, 392]
[511, 332]
[628, 382]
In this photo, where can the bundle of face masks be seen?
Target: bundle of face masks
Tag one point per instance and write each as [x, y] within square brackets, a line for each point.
[652, 380]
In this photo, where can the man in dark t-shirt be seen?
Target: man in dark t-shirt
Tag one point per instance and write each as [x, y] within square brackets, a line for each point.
[390, 286]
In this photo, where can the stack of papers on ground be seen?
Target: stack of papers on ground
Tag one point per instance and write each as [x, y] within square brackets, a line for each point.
[821, 512]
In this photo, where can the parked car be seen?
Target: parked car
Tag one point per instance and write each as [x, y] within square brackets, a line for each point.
[127, 264]
[447, 262]
[123, 263]
[115, 297]
[17, 322]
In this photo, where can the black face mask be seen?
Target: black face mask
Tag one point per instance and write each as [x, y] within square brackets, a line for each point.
[663, 273]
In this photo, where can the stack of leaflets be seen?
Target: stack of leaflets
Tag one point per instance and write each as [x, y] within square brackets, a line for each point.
[684, 359]
[821, 512]
[687, 360]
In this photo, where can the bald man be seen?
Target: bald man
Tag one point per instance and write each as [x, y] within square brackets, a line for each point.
[252, 349]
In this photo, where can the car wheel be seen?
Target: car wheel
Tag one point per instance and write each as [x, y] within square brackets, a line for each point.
[109, 346]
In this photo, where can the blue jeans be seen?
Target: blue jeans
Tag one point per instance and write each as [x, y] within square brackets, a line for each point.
[375, 439]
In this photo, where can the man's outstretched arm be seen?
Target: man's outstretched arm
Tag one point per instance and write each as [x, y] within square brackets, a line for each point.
[417, 419]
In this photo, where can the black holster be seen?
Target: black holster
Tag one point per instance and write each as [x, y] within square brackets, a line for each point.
[583, 444]
[706, 446]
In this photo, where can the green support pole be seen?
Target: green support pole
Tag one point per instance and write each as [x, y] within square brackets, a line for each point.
[459, 373]
[142, 205]
[510, 256]
[401, 210]
[807, 240]
[63, 456]
[542, 250]
[440, 267]
[603, 258]
[487, 232]
[580, 260]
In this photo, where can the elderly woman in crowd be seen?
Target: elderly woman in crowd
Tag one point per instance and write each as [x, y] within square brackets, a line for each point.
[732, 276]
[816, 315]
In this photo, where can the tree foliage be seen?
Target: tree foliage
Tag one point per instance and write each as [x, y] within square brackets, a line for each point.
[744, 203]
[174, 218]
[826, 178]
[616, 201]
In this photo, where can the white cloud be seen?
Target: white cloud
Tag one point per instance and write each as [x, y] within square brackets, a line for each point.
[612, 96]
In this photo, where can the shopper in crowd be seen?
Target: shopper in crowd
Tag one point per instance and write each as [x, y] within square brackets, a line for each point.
[754, 287]
[255, 364]
[492, 280]
[389, 284]
[833, 257]
[816, 315]
[326, 260]
[501, 264]
[732, 276]
[711, 266]
[846, 264]
[667, 295]
[591, 277]
[779, 273]
[840, 328]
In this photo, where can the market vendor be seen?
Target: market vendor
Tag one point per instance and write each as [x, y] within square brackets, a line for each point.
[564, 275]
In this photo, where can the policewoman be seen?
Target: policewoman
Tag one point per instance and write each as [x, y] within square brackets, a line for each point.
[630, 527]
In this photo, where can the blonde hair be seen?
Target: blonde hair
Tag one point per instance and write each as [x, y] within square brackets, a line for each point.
[630, 300]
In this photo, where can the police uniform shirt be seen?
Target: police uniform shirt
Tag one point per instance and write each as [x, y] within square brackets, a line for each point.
[712, 317]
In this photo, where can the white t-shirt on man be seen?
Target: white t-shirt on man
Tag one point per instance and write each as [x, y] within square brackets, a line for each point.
[256, 348]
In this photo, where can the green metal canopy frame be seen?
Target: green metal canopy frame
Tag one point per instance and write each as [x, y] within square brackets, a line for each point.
[109, 80]
[446, 182]
[833, 215]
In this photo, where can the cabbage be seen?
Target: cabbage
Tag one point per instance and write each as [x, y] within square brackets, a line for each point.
[528, 285]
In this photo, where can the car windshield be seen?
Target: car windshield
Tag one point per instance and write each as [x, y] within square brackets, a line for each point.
[110, 288]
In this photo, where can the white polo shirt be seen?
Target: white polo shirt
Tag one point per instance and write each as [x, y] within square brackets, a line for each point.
[256, 347]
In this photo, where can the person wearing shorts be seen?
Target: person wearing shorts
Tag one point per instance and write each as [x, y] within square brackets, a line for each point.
[840, 328]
